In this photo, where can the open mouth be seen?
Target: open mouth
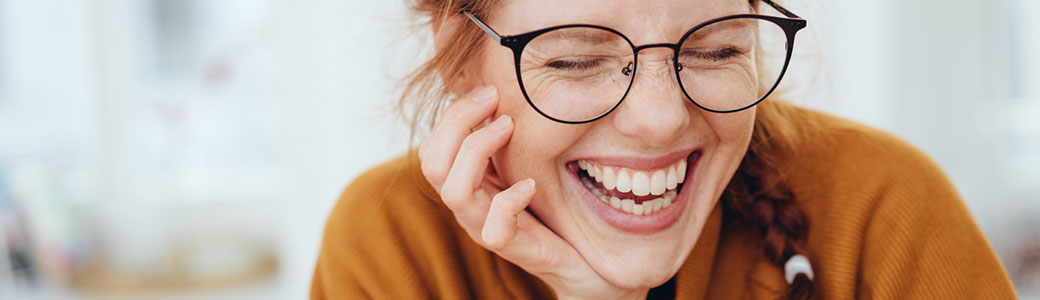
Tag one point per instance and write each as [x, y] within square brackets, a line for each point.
[631, 191]
[640, 196]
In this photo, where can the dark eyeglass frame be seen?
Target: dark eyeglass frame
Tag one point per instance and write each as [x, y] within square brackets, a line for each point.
[791, 25]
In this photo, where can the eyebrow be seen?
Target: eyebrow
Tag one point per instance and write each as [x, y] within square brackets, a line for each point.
[722, 27]
[589, 35]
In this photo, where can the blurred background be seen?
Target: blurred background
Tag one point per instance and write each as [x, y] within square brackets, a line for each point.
[186, 149]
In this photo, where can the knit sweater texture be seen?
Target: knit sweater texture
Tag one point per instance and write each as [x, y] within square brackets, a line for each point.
[885, 222]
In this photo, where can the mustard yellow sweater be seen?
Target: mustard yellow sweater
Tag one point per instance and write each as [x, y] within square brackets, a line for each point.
[885, 223]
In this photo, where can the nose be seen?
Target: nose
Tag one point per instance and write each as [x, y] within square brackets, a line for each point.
[655, 110]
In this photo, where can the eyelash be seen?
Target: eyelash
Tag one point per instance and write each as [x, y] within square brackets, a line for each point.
[714, 54]
[573, 65]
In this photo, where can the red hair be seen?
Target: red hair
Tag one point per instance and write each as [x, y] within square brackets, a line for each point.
[757, 193]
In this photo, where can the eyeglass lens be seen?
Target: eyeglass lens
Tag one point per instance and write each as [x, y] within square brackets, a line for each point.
[580, 73]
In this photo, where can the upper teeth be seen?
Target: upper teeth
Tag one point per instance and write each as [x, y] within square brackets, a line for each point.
[640, 183]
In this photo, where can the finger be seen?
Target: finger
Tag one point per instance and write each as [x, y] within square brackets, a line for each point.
[460, 188]
[439, 148]
[538, 249]
[438, 151]
[500, 225]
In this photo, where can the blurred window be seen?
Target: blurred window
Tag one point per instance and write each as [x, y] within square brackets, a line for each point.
[1021, 63]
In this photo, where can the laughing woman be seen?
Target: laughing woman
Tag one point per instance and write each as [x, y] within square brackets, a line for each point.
[632, 151]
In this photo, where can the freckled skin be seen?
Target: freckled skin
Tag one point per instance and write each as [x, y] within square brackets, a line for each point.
[654, 119]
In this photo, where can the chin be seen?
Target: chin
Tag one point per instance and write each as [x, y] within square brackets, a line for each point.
[638, 276]
[634, 248]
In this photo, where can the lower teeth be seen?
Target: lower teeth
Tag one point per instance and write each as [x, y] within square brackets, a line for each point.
[628, 205]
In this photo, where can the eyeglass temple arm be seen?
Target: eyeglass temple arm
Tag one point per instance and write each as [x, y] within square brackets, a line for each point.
[494, 35]
[781, 9]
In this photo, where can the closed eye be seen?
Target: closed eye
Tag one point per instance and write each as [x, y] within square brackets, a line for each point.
[710, 54]
[579, 64]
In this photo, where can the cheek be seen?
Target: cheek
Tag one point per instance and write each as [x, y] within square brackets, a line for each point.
[497, 68]
[529, 156]
[534, 149]
[733, 130]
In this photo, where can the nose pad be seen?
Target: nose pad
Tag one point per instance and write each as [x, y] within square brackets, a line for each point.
[666, 54]
[655, 110]
[655, 55]
[658, 68]
[627, 70]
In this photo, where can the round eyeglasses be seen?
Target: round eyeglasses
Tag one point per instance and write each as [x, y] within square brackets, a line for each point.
[580, 73]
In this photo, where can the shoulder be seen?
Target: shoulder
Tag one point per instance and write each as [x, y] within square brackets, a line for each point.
[847, 158]
[390, 237]
[387, 192]
[848, 174]
[384, 231]
[844, 171]
[392, 206]
[885, 220]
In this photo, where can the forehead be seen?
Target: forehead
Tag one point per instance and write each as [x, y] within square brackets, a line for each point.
[643, 21]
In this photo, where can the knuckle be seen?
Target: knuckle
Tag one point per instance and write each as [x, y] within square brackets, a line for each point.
[474, 143]
[453, 198]
[503, 204]
[455, 111]
[449, 196]
[544, 257]
[423, 150]
[432, 172]
[491, 241]
[496, 202]
[509, 201]
[452, 204]
[496, 245]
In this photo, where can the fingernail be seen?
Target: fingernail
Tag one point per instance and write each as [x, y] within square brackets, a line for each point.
[525, 186]
[485, 93]
[501, 123]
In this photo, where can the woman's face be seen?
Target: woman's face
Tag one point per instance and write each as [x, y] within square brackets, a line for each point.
[655, 131]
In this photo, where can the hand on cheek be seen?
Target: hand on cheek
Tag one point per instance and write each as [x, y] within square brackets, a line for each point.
[455, 159]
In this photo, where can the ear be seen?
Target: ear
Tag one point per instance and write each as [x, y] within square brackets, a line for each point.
[444, 29]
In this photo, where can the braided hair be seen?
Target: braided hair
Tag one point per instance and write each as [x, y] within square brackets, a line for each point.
[758, 195]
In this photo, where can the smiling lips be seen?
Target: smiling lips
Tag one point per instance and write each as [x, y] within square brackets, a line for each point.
[632, 191]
